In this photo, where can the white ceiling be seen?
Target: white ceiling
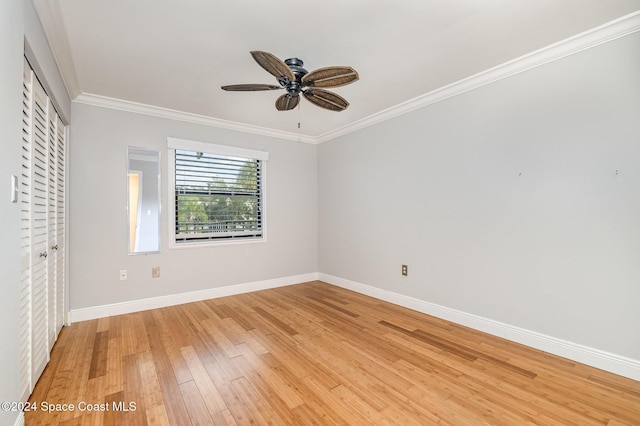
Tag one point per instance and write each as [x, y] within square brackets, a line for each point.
[176, 54]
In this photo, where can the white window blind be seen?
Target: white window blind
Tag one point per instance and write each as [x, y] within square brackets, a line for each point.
[217, 196]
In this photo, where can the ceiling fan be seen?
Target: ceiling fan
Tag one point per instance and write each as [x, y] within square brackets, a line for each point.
[295, 80]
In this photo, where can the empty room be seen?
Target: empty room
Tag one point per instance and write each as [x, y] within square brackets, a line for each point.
[350, 212]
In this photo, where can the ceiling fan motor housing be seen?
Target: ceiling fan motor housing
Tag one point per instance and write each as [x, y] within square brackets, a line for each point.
[295, 87]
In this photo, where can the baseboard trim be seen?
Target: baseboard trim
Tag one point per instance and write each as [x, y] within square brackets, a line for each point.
[607, 361]
[102, 311]
[613, 363]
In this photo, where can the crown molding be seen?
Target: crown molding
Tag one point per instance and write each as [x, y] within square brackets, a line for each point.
[50, 16]
[620, 27]
[138, 108]
[615, 29]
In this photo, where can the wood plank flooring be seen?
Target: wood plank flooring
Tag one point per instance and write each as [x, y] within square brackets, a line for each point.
[313, 354]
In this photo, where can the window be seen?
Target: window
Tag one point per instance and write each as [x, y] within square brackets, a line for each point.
[217, 192]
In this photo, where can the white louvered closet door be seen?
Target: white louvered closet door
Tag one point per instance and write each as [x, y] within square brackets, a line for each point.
[61, 137]
[25, 235]
[39, 231]
[42, 205]
[51, 225]
[52, 229]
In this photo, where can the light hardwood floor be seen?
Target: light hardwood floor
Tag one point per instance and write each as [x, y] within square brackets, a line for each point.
[314, 354]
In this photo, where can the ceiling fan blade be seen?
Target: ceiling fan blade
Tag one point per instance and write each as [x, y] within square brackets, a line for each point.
[287, 102]
[249, 87]
[326, 99]
[273, 66]
[330, 77]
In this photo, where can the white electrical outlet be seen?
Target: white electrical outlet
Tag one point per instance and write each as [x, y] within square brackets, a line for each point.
[123, 274]
[155, 272]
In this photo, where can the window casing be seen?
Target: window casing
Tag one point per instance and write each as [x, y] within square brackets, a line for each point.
[217, 193]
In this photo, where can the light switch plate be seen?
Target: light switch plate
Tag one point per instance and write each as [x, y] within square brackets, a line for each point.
[14, 189]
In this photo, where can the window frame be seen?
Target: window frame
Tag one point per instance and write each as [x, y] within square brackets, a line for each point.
[174, 144]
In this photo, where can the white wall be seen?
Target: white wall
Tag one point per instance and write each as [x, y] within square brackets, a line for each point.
[18, 25]
[11, 42]
[504, 201]
[97, 196]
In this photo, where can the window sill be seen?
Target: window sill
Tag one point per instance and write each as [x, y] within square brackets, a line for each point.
[194, 245]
